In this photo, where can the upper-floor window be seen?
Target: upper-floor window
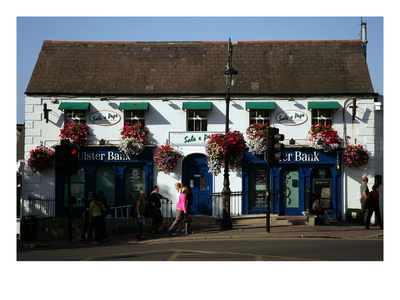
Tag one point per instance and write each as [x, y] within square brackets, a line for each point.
[260, 116]
[74, 116]
[134, 116]
[323, 116]
[197, 119]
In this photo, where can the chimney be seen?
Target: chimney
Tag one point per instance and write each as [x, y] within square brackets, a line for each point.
[364, 37]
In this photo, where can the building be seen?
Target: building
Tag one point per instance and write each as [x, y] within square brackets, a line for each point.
[178, 90]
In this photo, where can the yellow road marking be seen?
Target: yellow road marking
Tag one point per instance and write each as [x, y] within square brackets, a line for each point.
[177, 253]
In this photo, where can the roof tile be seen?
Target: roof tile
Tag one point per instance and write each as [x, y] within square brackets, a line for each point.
[287, 67]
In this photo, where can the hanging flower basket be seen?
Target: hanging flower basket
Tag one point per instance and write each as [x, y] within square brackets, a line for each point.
[76, 133]
[323, 137]
[134, 138]
[355, 156]
[41, 159]
[257, 134]
[166, 158]
[224, 149]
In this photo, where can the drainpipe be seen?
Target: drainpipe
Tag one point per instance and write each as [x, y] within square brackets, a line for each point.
[344, 182]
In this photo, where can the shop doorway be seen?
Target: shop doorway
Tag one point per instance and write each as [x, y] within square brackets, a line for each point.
[257, 201]
[196, 176]
[291, 199]
[322, 185]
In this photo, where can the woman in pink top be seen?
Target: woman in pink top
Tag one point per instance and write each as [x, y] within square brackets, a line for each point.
[180, 209]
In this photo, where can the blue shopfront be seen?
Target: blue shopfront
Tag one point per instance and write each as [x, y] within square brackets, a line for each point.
[120, 177]
[300, 174]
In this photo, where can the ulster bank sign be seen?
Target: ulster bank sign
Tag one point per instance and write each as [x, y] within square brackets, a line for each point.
[310, 156]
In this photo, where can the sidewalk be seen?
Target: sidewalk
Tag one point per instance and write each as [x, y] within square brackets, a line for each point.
[206, 228]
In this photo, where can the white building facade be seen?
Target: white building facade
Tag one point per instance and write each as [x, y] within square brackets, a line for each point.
[187, 119]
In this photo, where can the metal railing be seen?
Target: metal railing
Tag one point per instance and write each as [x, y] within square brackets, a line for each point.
[243, 202]
[128, 212]
[37, 206]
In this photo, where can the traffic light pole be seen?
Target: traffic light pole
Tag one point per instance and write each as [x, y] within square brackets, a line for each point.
[274, 155]
[268, 181]
[69, 207]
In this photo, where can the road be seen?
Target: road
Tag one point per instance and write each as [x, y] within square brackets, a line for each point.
[313, 249]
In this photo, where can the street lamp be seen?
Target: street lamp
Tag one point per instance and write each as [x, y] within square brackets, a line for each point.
[230, 75]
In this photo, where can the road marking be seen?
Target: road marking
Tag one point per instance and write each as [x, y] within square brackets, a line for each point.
[177, 253]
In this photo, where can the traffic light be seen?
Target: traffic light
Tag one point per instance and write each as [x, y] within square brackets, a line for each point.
[275, 147]
[73, 159]
[61, 156]
[67, 160]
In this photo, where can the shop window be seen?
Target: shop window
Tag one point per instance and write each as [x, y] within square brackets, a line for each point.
[260, 116]
[77, 187]
[134, 179]
[134, 116]
[323, 116]
[197, 119]
[75, 116]
[105, 181]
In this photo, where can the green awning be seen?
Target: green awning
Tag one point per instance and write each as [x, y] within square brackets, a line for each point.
[74, 105]
[196, 105]
[323, 105]
[260, 105]
[134, 106]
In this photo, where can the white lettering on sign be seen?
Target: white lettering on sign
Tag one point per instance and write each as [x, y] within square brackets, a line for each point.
[291, 117]
[109, 156]
[105, 117]
[117, 156]
[91, 156]
[299, 156]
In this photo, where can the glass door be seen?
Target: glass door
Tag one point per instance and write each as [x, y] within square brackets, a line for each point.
[291, 194]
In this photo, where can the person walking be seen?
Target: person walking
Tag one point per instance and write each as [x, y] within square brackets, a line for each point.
[364, 191]
[140, 209]
[97, 220]
[178, 187]
[155, 204]
[87, 226]
[181, 210]
[372, 204]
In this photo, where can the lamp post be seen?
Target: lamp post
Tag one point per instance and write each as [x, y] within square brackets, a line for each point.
[230, 75]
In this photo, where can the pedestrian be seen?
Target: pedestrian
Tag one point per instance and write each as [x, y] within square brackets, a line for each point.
[103, 200]
[178, 187]
[364, 191]
[87, 226]
[140, 209]
[155, 204]
[372, 204]
[97, 220]
[317, 209]
[181, 210]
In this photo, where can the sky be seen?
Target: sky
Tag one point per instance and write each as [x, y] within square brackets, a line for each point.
[32, 31]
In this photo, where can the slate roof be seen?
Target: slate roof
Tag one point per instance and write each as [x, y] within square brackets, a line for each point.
[196, 68]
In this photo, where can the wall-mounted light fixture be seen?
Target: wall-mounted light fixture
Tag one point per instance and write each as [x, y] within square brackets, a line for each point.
[46, 112]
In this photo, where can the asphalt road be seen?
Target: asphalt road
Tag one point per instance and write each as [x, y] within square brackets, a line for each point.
[314, 249]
